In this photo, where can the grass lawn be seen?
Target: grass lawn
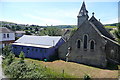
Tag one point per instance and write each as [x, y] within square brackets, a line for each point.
[110, 26]
[77, 70]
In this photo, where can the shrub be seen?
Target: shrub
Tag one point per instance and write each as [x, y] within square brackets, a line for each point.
[21, 56]
[9, 59]
[6, 50]
[86, 77]
[23, 70]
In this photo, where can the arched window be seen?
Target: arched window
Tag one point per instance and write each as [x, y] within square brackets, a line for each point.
[92, 45]
[78, 44]
[85, 41]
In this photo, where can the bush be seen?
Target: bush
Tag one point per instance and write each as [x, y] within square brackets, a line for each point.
[23, 70]
[6, 50]
[9, 59]
[19, 68]
[86, 77]
[21, 56]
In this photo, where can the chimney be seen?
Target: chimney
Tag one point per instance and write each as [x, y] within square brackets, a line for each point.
[99, 20]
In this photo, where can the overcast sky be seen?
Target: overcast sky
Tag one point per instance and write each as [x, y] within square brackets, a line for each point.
[54, 12]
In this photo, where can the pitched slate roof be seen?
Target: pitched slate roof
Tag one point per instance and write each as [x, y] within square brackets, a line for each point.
[39, 40]
[100, 27]
[5, 30]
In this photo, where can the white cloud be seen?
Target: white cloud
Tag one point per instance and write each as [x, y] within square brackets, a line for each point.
[115, 20]
[59, 0]
[44, 21]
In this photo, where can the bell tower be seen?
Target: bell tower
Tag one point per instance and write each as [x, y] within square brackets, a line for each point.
[83, 15]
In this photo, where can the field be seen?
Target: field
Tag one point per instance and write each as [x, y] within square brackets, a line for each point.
[77, 70]
[110, 26]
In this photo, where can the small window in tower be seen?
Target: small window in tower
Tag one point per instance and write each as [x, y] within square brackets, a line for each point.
[81, 10]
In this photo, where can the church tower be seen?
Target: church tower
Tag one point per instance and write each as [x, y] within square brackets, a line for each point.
[83, 15]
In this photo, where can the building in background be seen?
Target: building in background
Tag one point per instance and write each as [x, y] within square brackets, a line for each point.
[6, 37]
[38, 47]
[19, 34]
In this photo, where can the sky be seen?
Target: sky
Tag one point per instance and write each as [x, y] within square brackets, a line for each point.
[54, 12]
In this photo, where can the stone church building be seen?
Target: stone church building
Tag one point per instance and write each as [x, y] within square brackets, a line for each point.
[91, 43]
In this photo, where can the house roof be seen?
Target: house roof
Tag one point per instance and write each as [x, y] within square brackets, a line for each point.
[100, 27]
[33, 45]
[19, 31]
[39, 40]
[5, 30]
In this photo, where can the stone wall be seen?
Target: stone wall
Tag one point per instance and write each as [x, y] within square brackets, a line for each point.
[112, 51]
[94, 57]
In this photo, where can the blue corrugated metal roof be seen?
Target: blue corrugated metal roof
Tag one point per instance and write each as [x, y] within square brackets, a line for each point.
[39, 40]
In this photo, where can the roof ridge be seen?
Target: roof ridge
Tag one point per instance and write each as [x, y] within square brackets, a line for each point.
[110, 40]
[41, 36]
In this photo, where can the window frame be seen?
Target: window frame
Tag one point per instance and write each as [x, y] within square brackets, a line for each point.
[8, 35]
[79, 44]
[84, 42]
[90, 45]
[4, 35]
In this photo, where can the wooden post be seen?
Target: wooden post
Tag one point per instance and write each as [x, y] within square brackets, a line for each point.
[63, 72]
[45, 67]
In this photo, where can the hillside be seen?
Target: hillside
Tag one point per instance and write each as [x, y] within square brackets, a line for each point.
[77, 70]
[10, 24]
[46, 30]
[114, 24]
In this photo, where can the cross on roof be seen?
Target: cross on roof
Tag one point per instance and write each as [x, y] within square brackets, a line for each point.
[93, 14]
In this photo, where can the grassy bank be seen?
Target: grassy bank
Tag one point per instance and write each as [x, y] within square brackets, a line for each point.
[77, 70]
[31, 68]
[15, 68]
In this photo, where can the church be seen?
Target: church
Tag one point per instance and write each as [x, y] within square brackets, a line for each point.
[91, 43]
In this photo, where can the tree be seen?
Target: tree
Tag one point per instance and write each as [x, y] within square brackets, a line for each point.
[22, 56]
[117, 33]
[36, 29]
[27, 33]
[6, 50]
[51, 31]
[8, 59]
[13, 28]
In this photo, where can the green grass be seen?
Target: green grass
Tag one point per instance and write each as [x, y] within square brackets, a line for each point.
[110, 26]
[30, 69]
[51, 73]
[77, 70]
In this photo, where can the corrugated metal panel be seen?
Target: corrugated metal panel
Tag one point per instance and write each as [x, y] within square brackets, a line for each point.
[33, 45]
[39, 40]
